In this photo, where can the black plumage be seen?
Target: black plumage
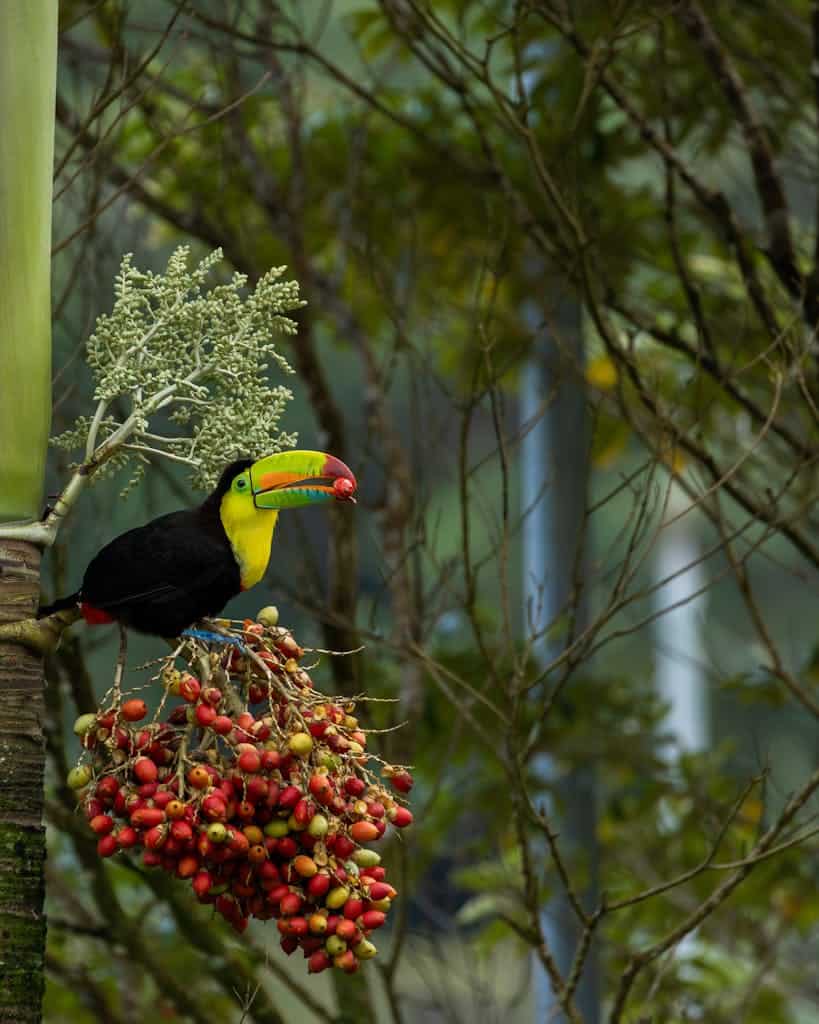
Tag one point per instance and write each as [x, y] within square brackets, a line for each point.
[162, 577]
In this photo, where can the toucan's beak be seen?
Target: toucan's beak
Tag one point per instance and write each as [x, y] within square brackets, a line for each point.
[293, 479]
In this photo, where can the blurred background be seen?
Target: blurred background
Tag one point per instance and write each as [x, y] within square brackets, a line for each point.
[559, 264]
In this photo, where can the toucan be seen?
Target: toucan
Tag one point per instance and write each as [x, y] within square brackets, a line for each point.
[163, 577]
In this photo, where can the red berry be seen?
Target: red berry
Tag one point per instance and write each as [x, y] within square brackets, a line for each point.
[319, 961]
[277, 894]
[245, 810]
[353, 908]
[321, 787]
[155, 837]
[93, 808]
[380, 891]
[239, 844]
[303, 812]
[343, 847]
[291, 904]
[256, 790]
[179, 716]
[147, 817]
[347, 962]
[287, 848]
[199, 777]
[249, 761]
[343, 488]
[202, 883]
[145, 770]
[244, 723]
[175, 809]
[102, 824]
[205, 715]
[364, 831]
[318, 886]
[134, 710]
[304, 866]
[298, 926]
[401, 817]
[142, 740]
[188, 866]
[222, 725]
[402, 781]
[371, 919]
[289, 797]
[107, 788]
[127, 837]
[346, 930]
[214, 808]
[107, 846]
[189, 689]
[181, 831]
[355, 786]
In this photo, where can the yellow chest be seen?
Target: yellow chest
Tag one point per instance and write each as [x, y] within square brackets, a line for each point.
[250, 532]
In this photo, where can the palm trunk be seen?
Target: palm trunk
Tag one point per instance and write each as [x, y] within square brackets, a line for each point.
[28, 65]
[22, 757]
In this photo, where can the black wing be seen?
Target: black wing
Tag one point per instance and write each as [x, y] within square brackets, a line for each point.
[162, 577]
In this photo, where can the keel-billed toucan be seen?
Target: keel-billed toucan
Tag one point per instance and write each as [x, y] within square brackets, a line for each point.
[162, 577]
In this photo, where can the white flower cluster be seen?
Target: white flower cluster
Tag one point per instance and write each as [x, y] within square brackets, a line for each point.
[198, 356]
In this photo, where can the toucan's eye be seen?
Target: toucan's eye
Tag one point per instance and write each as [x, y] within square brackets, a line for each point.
[241, 483]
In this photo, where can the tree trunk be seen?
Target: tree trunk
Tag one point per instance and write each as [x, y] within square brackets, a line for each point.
[22, 835]
[28, 72]
[28, 82]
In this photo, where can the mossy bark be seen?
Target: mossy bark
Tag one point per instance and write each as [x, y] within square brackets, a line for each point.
[22, 758]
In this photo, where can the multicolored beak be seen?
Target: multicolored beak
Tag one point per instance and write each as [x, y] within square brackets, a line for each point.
[294, 479]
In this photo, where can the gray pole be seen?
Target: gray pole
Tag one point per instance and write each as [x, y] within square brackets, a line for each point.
[554, 452]
[679, 654]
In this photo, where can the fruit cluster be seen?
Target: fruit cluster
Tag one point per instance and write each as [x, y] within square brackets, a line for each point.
[256, 788]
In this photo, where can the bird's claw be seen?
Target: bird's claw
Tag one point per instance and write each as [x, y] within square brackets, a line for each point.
[212, 637]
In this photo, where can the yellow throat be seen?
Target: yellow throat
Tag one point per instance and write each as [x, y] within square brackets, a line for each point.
[250, 532]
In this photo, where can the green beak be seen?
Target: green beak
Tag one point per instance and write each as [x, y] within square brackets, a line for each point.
[294, 479]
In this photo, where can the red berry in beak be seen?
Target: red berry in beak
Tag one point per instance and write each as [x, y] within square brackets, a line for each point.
[343, 488]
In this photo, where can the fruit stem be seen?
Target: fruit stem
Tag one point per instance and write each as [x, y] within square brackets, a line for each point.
[183, 756]
[119, 670]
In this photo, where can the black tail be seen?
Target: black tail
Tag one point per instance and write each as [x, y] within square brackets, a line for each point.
[58, 606]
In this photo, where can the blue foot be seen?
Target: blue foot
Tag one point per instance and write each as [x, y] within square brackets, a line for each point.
[214, 638]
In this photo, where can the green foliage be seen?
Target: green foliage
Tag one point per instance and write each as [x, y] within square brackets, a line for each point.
[198, 354]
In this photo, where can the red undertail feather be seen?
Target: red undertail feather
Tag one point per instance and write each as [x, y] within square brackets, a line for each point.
[94, 616]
